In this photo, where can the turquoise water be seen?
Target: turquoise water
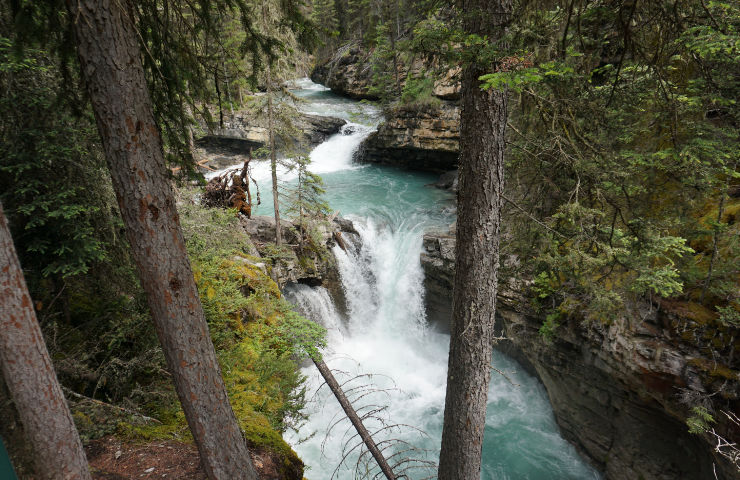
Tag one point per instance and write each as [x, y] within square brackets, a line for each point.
[6, 469]
[385, 332]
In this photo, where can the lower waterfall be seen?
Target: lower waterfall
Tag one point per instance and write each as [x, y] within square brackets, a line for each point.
[383, 341]
[386, 337]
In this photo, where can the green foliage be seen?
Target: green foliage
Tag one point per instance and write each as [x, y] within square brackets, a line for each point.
[306, 203]
[50, 171]
[623, 155]
[418, 91]
[729, 316]
[383, 80]
[194, 53]
[258, 337]
[547, 330]
[324, 15]
[700, 420]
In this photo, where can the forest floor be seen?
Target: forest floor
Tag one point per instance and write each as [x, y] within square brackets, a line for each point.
[113, 459]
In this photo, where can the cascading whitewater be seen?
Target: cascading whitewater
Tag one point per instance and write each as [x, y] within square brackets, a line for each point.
[385, 334]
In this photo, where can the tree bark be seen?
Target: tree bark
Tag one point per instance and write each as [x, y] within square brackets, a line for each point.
[30, 376]
[482, 128]
[111, 65]
[273, 158]
[349, 410]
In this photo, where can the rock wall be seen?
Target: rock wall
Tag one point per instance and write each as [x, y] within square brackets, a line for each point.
[244, 131]
[614, 388]
[347, 73]
[311, 264]
[425, 138]
[419, 137]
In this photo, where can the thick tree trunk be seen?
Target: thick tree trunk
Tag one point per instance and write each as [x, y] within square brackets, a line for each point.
[30, 376]
[482, 128]
[109, 56]
[349, 410]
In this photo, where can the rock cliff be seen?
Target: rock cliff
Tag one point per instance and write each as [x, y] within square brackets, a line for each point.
[417, 138]
[310, 264]
[244, 131]
[615, 389]
[347, 73]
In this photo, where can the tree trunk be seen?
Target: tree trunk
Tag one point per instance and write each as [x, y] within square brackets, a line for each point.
[354, 418]
[30, 376]
[273, 158]
[111, 65]
[482, 128]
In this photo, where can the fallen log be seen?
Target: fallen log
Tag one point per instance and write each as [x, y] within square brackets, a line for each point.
[354, 418]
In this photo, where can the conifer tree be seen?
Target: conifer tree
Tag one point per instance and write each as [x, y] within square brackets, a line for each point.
[29, 374]
[305, 199]
[482, 145]
[106, 39]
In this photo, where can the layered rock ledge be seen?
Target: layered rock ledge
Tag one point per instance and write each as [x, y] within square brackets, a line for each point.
[307, 264]
[419, 138]
[243, 132]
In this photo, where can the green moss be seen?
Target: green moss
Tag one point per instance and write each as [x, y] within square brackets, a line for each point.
[252, 329]
[722, 371]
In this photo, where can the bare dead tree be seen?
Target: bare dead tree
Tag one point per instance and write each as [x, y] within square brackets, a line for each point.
[354, 418]
[370, 404]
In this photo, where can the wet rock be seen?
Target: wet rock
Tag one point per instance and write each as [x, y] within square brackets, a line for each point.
[438, 263]
[448, 180]
[302, 263]
[347, 73]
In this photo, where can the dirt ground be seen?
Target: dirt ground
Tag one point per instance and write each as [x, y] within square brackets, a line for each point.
[112, 459]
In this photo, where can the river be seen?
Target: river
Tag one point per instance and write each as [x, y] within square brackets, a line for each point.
[392, 361]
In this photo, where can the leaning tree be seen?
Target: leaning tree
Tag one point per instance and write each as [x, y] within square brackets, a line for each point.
[110, 59]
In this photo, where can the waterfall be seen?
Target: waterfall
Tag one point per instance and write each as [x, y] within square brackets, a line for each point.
[400, 363]
[386, 337]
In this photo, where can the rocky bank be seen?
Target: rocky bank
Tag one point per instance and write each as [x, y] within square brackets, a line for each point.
[244, 131]
[347, 72]
[415, 136]
[311, 263]
[616, 389]
[418, 138]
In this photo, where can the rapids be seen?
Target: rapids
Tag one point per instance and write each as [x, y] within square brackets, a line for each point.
[385, 338]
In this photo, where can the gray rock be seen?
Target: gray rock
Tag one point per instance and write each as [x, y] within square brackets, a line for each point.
[420, 139]
[448, 180]
[614, 388]
[243, 131]
[302, 264]
[347, 73]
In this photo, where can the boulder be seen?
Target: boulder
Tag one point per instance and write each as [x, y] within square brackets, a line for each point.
[448, 180]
